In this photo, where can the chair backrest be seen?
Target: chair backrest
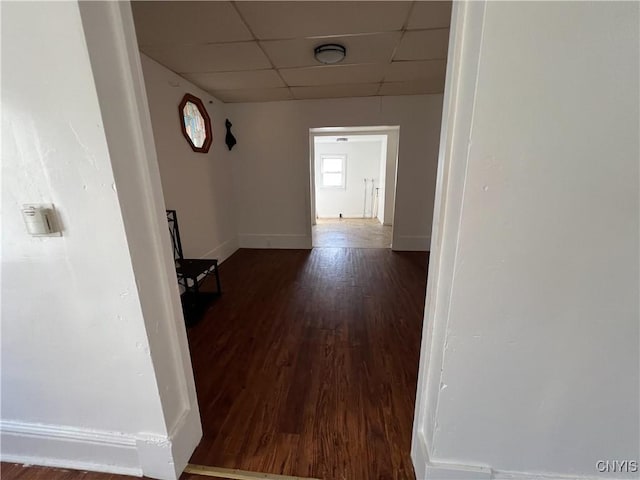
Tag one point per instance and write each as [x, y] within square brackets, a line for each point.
[172, 220]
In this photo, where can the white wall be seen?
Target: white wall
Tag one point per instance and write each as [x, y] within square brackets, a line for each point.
[531, 358]
[390, 136]
[199, 186]
[83, 314]
[382, 182]
[272, 168]
[363, 160]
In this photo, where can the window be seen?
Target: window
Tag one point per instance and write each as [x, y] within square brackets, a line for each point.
[195, 123]
[332, 171]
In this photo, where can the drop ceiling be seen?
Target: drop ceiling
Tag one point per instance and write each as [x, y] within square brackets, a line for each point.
[263, 51]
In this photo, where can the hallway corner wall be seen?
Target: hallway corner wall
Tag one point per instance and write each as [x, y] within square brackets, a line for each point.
[199, 186]
[530, 362]
[95, 368]
[272, 168]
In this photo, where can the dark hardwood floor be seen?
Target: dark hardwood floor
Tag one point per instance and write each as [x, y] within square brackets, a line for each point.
[307, 365]
[14, 471]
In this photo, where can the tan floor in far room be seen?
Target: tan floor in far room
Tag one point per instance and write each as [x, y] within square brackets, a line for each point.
[351, 232]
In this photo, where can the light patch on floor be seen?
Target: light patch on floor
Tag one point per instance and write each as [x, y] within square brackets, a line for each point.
[351, 232]
[230, 473]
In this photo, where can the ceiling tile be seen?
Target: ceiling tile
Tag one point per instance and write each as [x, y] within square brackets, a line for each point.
[282, 20]
[210, 58]
[187, 23]
[415, 87]
[209, 43]
[336, 91]
[416, 70]
[253, 95]
[427, 14]
[236, 80]
[423, 45]
[360, 49]
[333, 74]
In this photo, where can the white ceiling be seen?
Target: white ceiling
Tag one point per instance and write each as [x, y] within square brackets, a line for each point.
[263, 51]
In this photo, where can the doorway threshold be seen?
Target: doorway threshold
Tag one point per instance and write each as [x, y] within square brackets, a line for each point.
[234, 474]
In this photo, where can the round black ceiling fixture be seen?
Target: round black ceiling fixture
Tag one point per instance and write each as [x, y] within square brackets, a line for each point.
[330, 53]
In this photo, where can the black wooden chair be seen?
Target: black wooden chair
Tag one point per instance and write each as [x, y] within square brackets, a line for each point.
[191, 272]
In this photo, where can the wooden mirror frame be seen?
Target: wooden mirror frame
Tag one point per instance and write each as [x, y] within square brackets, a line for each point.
[207, 123]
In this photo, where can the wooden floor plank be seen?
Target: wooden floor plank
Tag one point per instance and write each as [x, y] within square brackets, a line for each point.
[307, 365]
[351, 233]
[14, 471]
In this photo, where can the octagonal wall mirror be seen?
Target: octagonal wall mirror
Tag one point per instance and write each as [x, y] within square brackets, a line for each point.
[195, 123]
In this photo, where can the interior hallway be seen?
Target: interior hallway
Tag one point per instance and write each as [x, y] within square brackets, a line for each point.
[307, 364]
[351, 232]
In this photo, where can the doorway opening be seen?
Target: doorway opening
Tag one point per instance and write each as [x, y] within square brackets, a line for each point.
[353, 180]
[308, 363]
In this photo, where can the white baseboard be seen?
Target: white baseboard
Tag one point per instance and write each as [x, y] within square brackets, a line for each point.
[95, 450]
[456, 472]
[70, 465]
[511, 475]
[419, 456]
[273, 240]
[411, 243]
[223, 251]
[185, 436]
[426, 469]
[69, 447]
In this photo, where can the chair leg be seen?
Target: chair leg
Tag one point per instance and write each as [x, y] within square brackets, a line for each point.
[217, 279]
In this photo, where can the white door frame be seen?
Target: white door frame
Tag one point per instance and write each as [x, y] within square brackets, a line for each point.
[111, 38]
[465, 41]
[115, 61]
[393, 141]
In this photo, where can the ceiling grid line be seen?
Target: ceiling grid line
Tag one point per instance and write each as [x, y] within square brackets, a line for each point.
[263, 51]
[313, 37]
[255, 38]
[395, 49]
